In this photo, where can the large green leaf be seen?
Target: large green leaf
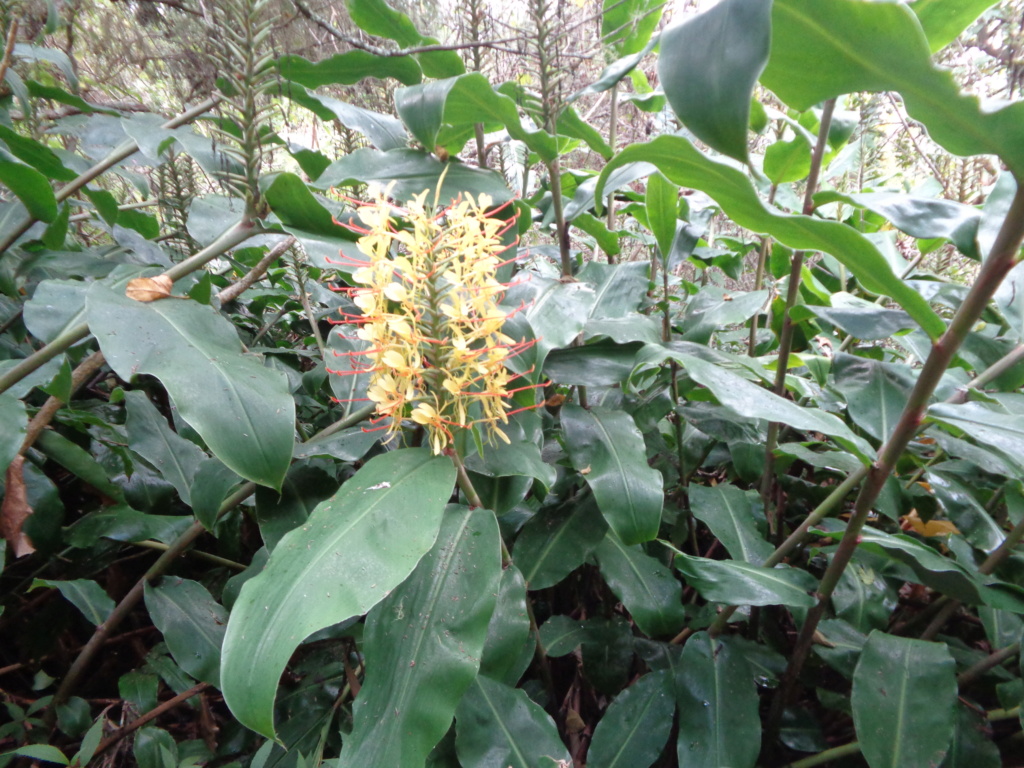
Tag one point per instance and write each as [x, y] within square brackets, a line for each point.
[29, 186]
[991, 426]
[348, 69]
[509, 648]
[971, 746]
[150, 436]
[627, 25]
[636, 725]
[881, 47]
[709, 65]
[662, 207]
[192, 623]
[752, 401]
[606, 447]
[413, 171]
[736, 583]
[729, 514]
[463, 101]
[86, 595]
[423, 645]
[922, 217]
[500, 727]
[944, 20]
[379, 18]
[242, 409]
[788, 161]
[904, 698]
[554, 542]
[647, 588]
[38, 155]
[719, 723]
[384, 131]
[354, 549]
[875, 392]
[684, 164]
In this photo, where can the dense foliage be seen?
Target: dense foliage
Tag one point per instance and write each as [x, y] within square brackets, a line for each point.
[478, 435]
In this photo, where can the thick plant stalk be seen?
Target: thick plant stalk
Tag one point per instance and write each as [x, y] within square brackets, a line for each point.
[235, 236]
[1003, 257]
[613, 136]
[122, 152]
[792, 293]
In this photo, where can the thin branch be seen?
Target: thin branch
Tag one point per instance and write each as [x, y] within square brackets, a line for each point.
[153, 714]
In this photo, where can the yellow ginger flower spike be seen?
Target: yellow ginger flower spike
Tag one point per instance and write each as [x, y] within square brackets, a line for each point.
[428, 298]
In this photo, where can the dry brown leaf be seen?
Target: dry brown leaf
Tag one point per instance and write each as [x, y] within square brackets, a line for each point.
[913, 522]
[149, 288]
[15, 510]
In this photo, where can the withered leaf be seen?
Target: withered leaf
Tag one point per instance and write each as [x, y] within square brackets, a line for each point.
[149, 288]
[15, 510]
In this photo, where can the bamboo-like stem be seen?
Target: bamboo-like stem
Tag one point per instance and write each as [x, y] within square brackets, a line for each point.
[786, 336]
[991, 661]
[613, 137]
[71, 336]
[244, 283]
[153, 714]
[121, 152]
[844, 750]
[1002, 258]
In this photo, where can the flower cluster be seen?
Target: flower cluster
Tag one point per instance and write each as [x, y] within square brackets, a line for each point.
[430, 317]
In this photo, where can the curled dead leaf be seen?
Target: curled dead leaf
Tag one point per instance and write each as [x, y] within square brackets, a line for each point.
[15, 510]
[149, 288]
[913, 522]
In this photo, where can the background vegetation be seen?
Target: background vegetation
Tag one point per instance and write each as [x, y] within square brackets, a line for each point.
[761, 497]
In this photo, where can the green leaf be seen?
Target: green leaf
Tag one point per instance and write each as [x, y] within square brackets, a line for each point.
[788, 161]
[175, 458]
[881, 47]
[752, 401]
[971, 747]
[79, 462]
[992, 427]
[423, 644]
[719, 722]
[500, 727]
[662, 204]
[123, 524]
[940, 573]
[210, 485]
[627, 25]
[636, 725]
[509, 648]
[43, 752]
[904, 698]
[729, 514]
[606, 447]
[86, 595]
[554, 542]
[709, 65]
[305, 486]
[31, 187]
[192, 624]
[646, 588]
[242, 409]
[379, 18]
[736, 583]
[464, 101]
[38, 155]
[384, 131]
[355, 548]
[875, 392]
[413, 172]
[681, 162]
[607, 240]
[921, 217]
[13, 423]
[349, 69]
[944, 20]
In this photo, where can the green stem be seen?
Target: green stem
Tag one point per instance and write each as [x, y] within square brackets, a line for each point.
[613, 135]
[786, 336]
[844, 750]
[991, 661]
[1002, 258]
